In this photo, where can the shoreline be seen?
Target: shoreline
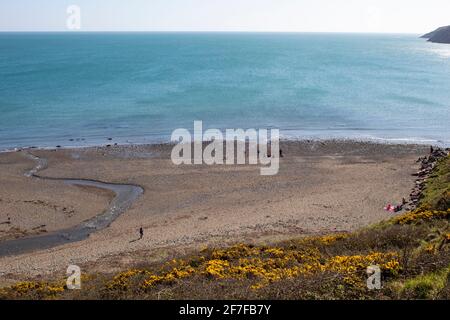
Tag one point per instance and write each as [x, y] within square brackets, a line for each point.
[165, 143]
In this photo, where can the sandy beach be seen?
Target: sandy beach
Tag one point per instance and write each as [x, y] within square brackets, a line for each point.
[322, 187]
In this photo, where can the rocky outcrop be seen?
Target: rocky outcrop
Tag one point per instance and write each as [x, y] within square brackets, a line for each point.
[427, 164]
[440, 35]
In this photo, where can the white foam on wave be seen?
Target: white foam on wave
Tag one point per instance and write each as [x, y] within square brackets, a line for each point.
[414, 140]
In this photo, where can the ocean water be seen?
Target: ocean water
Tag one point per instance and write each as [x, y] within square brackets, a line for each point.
[75, 89]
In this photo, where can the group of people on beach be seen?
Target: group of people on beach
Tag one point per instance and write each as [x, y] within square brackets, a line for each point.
[395, 208]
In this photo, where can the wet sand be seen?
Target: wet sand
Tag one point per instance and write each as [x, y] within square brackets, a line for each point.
[124, 196]
[328, 186]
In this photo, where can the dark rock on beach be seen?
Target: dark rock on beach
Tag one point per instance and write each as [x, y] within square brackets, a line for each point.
[440, 35]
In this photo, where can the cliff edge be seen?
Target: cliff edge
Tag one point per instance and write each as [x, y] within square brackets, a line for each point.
[440, 35]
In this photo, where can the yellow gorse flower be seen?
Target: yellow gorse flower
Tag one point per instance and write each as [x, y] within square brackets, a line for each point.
[25, 288]
[263, 264]
[420, 215]
[268, 265]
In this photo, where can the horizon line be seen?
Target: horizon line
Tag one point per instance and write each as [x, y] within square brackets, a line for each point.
[202, 31]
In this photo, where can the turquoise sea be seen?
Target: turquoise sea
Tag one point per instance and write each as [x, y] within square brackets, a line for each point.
[79, 89]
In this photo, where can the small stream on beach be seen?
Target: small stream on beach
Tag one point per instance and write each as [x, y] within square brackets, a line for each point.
[125, 195]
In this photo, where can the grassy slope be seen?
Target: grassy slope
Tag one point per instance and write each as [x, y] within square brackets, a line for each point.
[437, 193]
[412, 251]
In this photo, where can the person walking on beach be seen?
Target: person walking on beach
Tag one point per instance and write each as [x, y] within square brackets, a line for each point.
[141, 233]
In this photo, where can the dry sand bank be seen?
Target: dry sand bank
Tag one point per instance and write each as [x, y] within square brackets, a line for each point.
[327, 186]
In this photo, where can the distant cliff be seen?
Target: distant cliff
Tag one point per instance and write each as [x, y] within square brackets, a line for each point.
[440, 35]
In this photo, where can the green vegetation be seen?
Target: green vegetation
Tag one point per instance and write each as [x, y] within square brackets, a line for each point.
[437, 192]
[412, 251]
[427, 286]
